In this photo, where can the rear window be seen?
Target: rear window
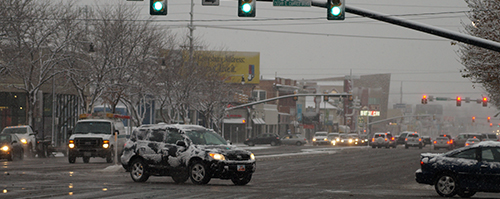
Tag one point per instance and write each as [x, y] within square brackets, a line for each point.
[491, 136]
[413, 135]
[379, 136]
[442, 139]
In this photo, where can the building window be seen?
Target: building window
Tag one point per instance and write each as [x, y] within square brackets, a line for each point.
[259, 95]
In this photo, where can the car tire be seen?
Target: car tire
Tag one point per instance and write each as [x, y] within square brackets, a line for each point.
[138, 171]
[110, 157]
[199, 173]
[274, 143]
[180, 177]
[446, 185]
[243, 180]
[71, 159]
[86, 159]
[298, 143]
[466, 193]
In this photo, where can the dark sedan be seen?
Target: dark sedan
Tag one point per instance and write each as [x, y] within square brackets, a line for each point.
[10, 147]
[266, 138]
[462, 171]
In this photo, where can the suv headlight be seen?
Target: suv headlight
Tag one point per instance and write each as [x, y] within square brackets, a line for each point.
[71, 144]
[314, 139]
[217, 156]
[105, 144]
[5, 148]
[24, 141]
[252, 156]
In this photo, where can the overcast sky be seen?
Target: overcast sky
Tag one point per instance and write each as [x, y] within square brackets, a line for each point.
[300, 43]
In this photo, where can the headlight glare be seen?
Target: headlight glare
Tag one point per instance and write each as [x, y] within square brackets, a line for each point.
[314, 139]
[5, 148]
[71, 145]
[252, 156]
[24, 141]
[217, 156]
[105, 146]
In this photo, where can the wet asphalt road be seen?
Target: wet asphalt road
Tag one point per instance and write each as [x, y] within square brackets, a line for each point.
[282, 172]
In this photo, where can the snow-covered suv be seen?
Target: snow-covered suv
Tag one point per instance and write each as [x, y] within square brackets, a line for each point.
[383, 140]
[185, 151]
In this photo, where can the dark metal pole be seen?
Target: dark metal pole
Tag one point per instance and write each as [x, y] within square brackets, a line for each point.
[441, 32]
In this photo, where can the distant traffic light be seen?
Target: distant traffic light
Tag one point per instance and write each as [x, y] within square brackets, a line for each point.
[424, 99]
[295, 98]
[246, 8]
[473, 119]
[325, 98]
[335, 10]
[489, 119]
[459, 101]
[485, 101]
[158, 7]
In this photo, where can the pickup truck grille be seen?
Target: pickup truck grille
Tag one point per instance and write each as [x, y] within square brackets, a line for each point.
[88, 142]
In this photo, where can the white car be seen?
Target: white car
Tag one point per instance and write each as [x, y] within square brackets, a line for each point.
[320, 138]
[413, 140]
[26, 135]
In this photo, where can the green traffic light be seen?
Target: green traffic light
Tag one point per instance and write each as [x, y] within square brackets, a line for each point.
[158, 6]
[335, 11]
[246, 8]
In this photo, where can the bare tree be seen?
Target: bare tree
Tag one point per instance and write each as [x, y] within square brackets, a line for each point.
[482, 66]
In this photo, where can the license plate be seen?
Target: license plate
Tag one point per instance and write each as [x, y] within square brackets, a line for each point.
[240, 167]
[87, 154]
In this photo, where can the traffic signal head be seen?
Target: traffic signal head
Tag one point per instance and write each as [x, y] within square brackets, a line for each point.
[459, 101]
[325, 98]
[489, 118]
[485, 101]
[473, 119]
[424, 99]
[295, 98]
[158, 7]
[335, 9]
[246, 8]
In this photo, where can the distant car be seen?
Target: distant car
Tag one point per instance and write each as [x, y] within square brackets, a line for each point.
[334, 138]
[462, 138]
[472, 141]
[364, 140]
[11, 147]
[266, 138]
[320, 138]
[414, 140]
[298, 140]
[353, 139]
[442, 142]
[402, 136]
[490, 137]
[426, 140]
[382, 140]
[463, 171]
[26, 135]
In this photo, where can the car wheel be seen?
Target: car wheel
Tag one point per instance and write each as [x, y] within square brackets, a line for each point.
[273, 143]
[71, 159]
[199, 173]
[298, 143]
[180, 176]
[466, 193]
[86, 159]
[138, 171]
[243, 180]
[446, 185]
[110, 157]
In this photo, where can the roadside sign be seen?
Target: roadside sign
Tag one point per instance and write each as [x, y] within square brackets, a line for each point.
[292, 3]
[210, 2]
[441, 99]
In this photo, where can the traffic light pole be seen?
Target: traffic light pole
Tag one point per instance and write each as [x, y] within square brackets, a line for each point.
[343, 95]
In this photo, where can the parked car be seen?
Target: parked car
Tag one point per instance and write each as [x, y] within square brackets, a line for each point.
[414, 140]
[298, 140]
[183, 152]
[472, 141]
[402, 136]
[383, 140]
[26, 136]
[320, 138]
[11, 147]
[463, 171]
[265, 138]
[462, 138]
[442, 142]
[334, 138]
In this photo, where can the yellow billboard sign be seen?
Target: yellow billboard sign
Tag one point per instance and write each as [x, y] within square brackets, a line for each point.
[242, 66]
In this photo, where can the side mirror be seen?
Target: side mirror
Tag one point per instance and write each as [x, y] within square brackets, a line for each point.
[180, 143]
[13, 142]
[116, 132]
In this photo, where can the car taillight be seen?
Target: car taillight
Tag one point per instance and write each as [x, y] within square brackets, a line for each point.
[466, 144]
[392, 138]
[406, 139]
[373, 139]
[385, 139]
[420, 140]
[421, 162]
[435, 142]
[451, 141]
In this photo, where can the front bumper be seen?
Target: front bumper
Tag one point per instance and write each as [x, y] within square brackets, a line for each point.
[5, 154]
[423, 177]
[228, 170]
[90, 152]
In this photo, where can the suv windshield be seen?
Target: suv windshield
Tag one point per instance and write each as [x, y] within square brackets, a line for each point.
[205, 138]
[21, 130]
[93, 127]
[320, 134]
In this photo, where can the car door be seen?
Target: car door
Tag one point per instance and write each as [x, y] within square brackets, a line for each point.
[172, 153]
[490, 168]
[466, 166]
[152, 150]
[261, 139]
[286, 139]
